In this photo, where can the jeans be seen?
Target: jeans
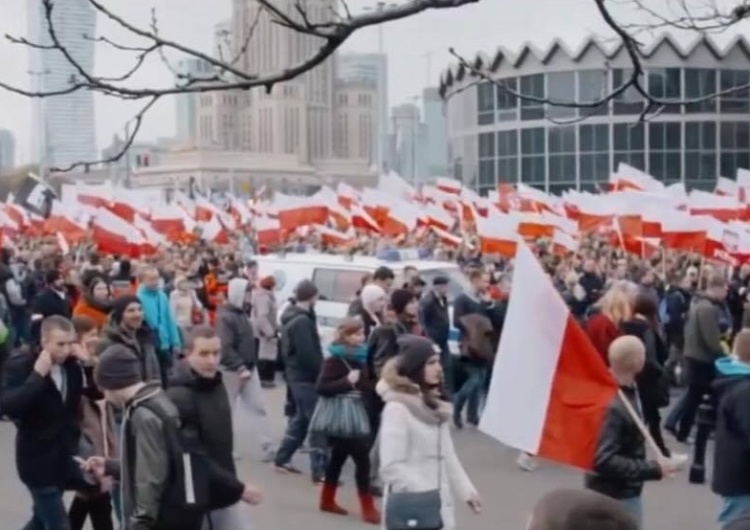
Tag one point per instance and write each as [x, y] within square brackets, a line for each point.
[48, 509]
[673, 418]
[98, 508]
[249, 395]
[700, 375]
[733, 508]
[470, 394]
[305, 398]
[446, 360]
[635, 506]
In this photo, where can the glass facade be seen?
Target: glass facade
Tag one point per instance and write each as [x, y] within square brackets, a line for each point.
[558, 148]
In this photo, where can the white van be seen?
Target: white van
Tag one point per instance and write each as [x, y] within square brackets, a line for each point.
[338, 278]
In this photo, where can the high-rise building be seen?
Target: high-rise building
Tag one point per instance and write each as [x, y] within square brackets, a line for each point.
[64, 126]
[372, 68]
[354, 129]
[187, 104]
[7, 149]
[407, 143]
[436, 142]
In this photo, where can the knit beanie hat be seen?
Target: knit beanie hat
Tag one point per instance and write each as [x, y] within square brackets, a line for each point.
[120, 304]
[305, 291]
[400, 298]
[370, 293]
[118, 368]
[414, 352]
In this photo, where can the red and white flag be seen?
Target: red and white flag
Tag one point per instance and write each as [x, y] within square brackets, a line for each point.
[546, 362]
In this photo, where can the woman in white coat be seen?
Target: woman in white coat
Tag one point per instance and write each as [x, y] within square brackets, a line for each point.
[414, 434]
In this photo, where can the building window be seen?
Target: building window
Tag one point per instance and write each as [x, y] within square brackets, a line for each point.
[561, 87]
[561, 143]
[507, 156]
[487, 145]
[737, 101]
[629, 145]
[665, 147]
[700, 152]
[485, 103]
[507, 103]
[630, 101]
[593, 85]
[533, 156]
[532, 85]
[700, 82]
[593, 154]
[734, 146]
[665, 84]
[487, 173]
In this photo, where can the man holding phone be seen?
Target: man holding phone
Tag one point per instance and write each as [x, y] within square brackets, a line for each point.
[42, 395]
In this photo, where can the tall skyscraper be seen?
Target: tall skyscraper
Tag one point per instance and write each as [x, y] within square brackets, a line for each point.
[436, 142]
[408, 141]
[64, 126]
[370, 68]
[7, 149]
[187, 104]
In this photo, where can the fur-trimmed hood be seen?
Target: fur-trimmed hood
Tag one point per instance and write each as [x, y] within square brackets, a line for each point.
[397, 388]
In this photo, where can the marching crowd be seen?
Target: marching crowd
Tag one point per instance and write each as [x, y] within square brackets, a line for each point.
[122, 379]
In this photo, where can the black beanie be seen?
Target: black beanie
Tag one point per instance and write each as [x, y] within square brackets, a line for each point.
[118, 368]
[120, 304]
[400, 298]
[413, 352]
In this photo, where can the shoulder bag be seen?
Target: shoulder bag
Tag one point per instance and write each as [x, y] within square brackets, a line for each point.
[341, 416]
[417, 510]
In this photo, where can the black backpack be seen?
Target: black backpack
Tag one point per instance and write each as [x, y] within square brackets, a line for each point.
[186, 498]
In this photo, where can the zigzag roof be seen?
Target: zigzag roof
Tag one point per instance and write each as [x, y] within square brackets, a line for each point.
[502, 57]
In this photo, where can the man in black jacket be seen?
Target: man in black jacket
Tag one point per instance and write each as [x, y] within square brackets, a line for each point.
[197, 391]
[437, 325]
[42, 394]
[53, 300]
[303, 359]
[730, 479]
[620, 465]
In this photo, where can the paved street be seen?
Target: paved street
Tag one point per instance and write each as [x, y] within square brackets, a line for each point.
[508, 493]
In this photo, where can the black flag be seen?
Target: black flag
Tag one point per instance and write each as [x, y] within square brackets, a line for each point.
[35, 196]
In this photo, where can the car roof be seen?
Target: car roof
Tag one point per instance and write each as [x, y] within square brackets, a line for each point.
[363, 262]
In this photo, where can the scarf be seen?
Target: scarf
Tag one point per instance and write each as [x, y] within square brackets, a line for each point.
[340, 351]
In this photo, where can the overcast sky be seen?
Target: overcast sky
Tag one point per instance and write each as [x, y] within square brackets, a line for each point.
[478, 27]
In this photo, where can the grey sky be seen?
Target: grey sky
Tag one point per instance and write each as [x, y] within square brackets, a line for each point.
[478, 27]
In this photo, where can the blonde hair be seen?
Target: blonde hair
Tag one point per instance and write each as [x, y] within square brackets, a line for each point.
[615, 305]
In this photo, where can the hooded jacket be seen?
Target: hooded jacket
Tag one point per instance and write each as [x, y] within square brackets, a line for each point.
[416, 449]
[300, 345]
[732, 435]
[235, 330]
[141, 344]
[203, 405]
[159, 316]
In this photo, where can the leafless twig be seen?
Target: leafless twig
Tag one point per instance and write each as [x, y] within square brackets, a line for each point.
[228, 74]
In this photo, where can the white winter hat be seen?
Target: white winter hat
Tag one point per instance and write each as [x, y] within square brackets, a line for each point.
[371, 293]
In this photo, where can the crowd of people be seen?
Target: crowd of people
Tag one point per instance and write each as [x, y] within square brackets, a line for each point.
[122, 379]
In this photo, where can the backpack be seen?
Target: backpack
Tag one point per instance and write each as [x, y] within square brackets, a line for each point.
[187, 497]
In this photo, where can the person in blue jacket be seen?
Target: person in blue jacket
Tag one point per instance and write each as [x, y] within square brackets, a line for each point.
[159, 317]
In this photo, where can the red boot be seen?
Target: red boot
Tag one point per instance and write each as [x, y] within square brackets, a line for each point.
[370, 513]
[328, 500]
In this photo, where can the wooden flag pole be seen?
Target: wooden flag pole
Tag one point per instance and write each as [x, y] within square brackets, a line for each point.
[639, 422]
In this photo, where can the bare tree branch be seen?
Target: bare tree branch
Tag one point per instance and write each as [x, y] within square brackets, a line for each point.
[228, 74]
[625, 36]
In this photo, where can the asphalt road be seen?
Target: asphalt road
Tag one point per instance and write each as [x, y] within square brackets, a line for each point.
[508, 493]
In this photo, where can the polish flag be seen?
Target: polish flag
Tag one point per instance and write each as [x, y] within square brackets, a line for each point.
[546, 362]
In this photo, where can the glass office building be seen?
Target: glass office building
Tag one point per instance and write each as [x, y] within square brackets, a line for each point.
[495, 137]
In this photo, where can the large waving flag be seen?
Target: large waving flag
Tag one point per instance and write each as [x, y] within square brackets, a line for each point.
[550, 388]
